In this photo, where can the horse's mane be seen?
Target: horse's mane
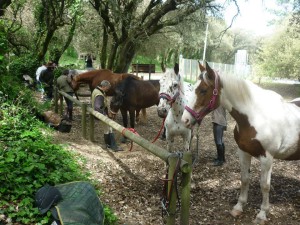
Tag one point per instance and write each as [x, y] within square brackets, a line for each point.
[120, 90]
[243, 91]
[89, 74]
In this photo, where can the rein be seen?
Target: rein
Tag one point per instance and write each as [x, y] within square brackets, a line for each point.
[159, 132]
[210, 107]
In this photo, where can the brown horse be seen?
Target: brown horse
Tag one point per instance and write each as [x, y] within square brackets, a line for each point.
[94, 77]
[133, 95]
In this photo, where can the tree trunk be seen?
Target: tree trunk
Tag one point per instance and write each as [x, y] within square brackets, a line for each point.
[3, 5]
[112, 56]
[44, 47]
[126, 54]
[103, 57]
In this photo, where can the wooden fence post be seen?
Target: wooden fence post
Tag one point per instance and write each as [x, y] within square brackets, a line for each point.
[83, 120]
[55, 100]
[92, 125]
[61, 108]
[149, 69]
[173, 197]
[186, 191]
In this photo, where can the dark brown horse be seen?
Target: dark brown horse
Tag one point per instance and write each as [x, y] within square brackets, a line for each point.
[133, 95]
[94, 77]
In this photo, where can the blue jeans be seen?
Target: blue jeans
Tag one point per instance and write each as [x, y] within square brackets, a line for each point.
[218, 131]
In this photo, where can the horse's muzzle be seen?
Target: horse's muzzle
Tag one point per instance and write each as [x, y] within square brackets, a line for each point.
[162, 112]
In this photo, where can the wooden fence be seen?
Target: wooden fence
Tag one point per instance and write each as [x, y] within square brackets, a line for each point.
[190, 70]
[170, 158]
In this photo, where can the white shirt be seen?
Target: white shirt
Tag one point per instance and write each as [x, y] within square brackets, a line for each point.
[38, 72]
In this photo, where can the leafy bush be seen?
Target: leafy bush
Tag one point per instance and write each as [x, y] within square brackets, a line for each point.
[3, 48]
[26, 64]
[28, 159]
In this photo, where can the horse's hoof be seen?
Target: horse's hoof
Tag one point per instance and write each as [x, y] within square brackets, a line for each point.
[124, 140]
[259, 221]
[163, 138]
[236, 213]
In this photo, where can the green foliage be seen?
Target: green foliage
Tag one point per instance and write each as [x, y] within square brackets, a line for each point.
[28, 159]
[27, 64]
[3, 48]
[279, 54]
[110, 217]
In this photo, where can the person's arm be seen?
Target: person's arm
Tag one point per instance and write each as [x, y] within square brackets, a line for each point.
[99, 105]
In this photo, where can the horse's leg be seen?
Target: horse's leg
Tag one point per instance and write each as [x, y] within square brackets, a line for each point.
[169, 139]
[245, 162]
[124, 117]
[265, 181]
[132, 117]
[137, 115]
[144, 114]
[125, 123]
[187, 139]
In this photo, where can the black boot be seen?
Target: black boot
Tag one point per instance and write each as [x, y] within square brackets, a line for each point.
[107, 141]
[223, 152]
[71, 115]
[221, 156]
[113, 144]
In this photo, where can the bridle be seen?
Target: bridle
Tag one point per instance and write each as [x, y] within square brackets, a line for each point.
[210, 107]
[170, 99]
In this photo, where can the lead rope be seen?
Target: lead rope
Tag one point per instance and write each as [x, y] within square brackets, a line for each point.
[159, 132]
[195, 160]
[133, 131]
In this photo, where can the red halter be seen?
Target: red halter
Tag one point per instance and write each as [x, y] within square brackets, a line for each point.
[210, 107]
[168, 97]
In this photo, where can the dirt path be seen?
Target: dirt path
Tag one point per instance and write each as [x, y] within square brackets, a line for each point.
[130, 181]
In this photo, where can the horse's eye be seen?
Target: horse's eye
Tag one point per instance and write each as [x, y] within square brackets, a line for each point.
[203, 92]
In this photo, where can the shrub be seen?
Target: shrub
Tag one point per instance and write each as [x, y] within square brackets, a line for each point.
[26, 64]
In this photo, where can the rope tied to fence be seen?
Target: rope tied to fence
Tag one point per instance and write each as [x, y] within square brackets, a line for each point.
[166, 193]
[133, 131]
[159, 132]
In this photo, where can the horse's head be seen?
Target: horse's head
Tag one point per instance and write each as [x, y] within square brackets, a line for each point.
[74, 84]
[169, 91]
[118, 98]
[204, 99]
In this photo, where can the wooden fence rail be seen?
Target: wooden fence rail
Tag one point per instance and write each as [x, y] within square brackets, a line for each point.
[170, 158]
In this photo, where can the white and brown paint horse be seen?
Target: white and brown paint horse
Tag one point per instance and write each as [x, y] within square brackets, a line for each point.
[266, 128]
[173, 96]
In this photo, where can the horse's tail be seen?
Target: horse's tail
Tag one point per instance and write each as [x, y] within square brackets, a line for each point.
[144, 115]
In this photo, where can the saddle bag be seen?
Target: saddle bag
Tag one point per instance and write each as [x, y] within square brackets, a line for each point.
[56, 122]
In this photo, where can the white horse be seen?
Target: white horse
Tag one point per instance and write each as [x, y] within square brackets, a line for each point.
[267, 127]
[173, 95]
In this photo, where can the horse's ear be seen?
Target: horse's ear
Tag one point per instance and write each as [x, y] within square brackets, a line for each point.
[210, 72]
[201, 67]
[176, 68]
